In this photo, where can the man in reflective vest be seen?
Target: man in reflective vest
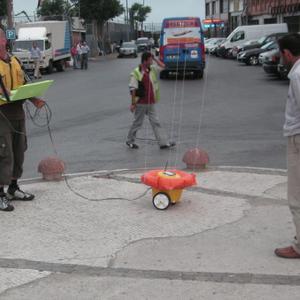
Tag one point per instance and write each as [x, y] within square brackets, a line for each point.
[144, 90]
[13, 141]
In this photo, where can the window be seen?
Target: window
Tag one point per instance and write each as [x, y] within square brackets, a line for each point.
[213, 8]
[240, 35]
[47, 45]
[221, 6]
[207, 10]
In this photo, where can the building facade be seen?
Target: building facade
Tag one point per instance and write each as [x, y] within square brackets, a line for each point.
[274, 11]
[216, 17]
[236, 13]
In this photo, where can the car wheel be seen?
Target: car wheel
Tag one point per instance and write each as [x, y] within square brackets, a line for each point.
[253, 60]
[163, 74]
[199, 74]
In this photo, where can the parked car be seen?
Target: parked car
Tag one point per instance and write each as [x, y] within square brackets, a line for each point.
[212, 43]
[128, 49]
[213, 50]
[246, 46]
[283, 70]
[270, 61]
[261, 42]
[143, 44]
[250, 57]
[265, 56]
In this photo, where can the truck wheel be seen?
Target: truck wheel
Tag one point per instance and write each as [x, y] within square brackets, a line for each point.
[60, 66]
[49, 70]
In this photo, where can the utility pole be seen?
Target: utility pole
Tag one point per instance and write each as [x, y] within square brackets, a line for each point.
[9, 8]
[127, 16]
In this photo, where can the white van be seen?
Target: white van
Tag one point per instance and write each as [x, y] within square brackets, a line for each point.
[249, 32]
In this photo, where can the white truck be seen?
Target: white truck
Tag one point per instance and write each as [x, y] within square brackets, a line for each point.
[245, 33]
[52, 37]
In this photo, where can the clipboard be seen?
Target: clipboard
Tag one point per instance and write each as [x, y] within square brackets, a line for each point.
[36, 89]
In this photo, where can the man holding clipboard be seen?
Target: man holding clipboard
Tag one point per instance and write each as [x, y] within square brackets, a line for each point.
[13, 140]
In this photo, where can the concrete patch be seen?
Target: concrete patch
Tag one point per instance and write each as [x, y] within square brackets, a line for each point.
[10, 278]
[61, 227]
[242, 183]
[246, 246]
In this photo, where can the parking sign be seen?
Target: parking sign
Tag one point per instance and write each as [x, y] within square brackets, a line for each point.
[11, 34]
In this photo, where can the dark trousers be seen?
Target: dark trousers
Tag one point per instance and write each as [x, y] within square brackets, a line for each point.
[13, 144]
[84, 61]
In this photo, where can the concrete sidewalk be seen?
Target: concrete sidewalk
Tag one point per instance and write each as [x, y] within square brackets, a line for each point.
[217, 243]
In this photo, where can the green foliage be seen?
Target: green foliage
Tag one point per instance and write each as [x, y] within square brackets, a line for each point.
[3, 8]
[53, 8]
[100, 10]
[139, 13]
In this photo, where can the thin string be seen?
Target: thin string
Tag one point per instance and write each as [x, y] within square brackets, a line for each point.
[147, 123]
[174, 104]
[180, 112]
[201, 110]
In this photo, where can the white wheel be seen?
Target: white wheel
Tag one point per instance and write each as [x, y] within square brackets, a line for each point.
[161, 201]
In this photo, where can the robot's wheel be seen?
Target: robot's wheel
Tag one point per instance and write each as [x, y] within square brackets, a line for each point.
[161, 201]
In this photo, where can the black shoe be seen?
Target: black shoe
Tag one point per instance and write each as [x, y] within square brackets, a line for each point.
[168, 146]
[17, 194]
[4, 203]
[132, 145]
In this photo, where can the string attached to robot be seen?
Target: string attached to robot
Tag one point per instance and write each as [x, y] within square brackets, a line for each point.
[48, 113]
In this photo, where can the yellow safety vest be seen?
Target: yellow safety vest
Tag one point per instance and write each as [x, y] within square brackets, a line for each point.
[12, 73]
[153, 77]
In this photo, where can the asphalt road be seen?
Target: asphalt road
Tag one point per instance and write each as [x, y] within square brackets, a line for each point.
[235, 113]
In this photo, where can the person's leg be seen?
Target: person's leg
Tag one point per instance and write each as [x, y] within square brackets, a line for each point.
[81, 61]
[294, 184]
[74, 62]
[39, 75]
[35, 69]
[157, 129]
[86, 62]
[6, 164]
[139, 116]
[19, 146]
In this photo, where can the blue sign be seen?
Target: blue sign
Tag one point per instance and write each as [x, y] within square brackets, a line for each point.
[11, 34]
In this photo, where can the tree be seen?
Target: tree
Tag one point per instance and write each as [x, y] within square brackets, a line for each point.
[3, 8]
[3, 12]
[138, 14]
[53, 8]
[99, 12]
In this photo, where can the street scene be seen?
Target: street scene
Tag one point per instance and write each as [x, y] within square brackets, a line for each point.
[161, 150]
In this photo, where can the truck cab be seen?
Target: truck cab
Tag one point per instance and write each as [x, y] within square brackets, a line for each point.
[23, 45]
[53, 39]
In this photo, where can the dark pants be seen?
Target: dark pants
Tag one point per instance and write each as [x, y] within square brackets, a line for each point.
[84, 61]
[12, 148]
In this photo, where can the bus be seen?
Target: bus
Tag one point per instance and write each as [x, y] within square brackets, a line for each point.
[182, 46]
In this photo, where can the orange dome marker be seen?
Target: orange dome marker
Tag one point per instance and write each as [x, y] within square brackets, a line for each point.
[167, 186]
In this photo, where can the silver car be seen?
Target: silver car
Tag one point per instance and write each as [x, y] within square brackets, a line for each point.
[128, 49]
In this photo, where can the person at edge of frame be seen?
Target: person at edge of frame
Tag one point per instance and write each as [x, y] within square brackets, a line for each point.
[144, 90]
[289, 47]
[13, 141]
